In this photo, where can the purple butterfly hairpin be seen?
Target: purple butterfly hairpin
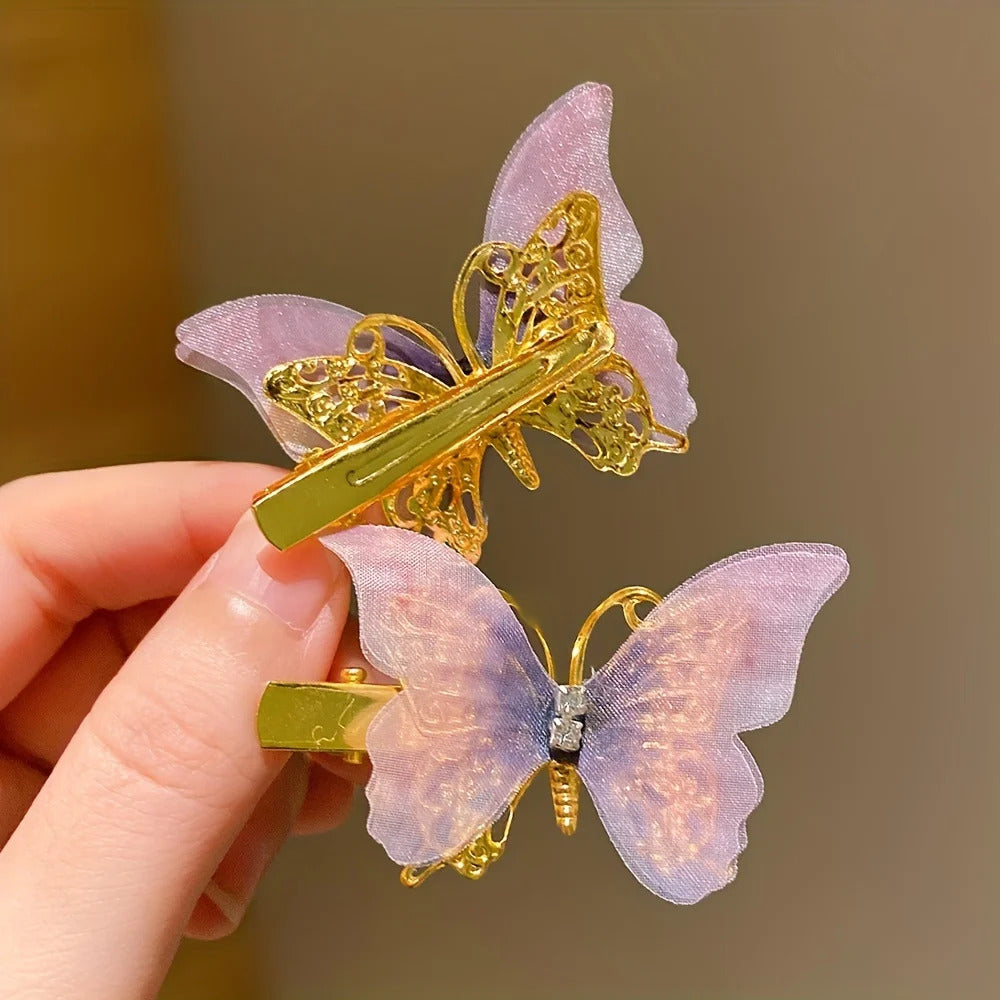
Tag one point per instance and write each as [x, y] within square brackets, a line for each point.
[377, 409]
[653, 734]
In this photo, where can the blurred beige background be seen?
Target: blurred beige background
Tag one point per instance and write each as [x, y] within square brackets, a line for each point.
[818, 188]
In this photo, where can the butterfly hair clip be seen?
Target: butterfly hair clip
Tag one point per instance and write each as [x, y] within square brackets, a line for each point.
[378, 409]
[653, 734]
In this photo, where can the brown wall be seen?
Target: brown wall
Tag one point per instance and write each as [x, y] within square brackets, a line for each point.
[817, 188]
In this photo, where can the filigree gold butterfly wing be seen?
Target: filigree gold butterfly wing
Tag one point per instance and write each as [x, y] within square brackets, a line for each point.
[550, 288]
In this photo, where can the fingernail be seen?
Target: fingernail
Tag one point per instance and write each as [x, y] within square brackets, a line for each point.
[228, 905]
[294, 586]
[250, 855]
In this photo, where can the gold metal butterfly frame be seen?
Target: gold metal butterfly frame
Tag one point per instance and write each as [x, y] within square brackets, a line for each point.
[414, 442]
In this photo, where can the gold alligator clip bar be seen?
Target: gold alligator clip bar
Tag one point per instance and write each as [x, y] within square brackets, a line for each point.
[331, 717]
[344, 480]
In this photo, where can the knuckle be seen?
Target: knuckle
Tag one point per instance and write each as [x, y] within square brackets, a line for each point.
[13, 489]
[58, 600]
[18, 495]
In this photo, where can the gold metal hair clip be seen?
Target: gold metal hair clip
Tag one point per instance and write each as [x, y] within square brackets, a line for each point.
[334, 718]
[415, 443]
[652, 734]
[379, 409]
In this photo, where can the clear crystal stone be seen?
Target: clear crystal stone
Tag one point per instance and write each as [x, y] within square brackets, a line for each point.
[571, 700]
[565, 734]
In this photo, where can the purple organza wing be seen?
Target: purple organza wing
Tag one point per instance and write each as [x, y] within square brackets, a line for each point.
[661, 757]
[241, 341]
[470, 725]
[565, 149]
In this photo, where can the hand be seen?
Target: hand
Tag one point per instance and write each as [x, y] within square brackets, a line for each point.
[135, 803]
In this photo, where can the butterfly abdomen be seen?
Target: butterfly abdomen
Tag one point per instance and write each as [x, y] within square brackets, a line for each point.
[565, 785]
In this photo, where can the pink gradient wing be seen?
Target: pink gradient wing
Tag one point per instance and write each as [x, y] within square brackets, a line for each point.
[471, 723]
[241, 341]
[671, 780]
[565, 149]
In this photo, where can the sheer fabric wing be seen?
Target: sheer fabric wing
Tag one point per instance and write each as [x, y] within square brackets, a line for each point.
[470, 726]
[661, 758]
[565, 149]
[241, 341]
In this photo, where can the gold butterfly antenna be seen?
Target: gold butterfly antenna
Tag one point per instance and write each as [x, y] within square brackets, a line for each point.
[334, 717]
[414, 441]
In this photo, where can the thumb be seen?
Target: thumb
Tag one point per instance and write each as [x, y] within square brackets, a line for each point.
[98, 881]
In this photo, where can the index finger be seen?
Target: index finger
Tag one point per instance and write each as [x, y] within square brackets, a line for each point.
[73, 542]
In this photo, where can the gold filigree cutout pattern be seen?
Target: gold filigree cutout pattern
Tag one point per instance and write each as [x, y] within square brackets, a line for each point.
[605, 414]
[552, 367]
[473, 860]
[550, 286]
[342, 397]
[445, 500]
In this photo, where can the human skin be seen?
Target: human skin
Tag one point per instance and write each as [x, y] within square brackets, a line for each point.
[141, 614]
